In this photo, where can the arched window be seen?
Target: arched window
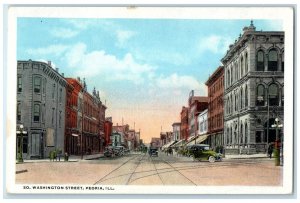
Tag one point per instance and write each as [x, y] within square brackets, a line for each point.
[282, 96]
[282, 61]
[273, 95]
[246, 133]
[241, 98]
[246, 96]
[260, 61]
[242, 66]
[37, 84]
[246, 63]
[272, 60]
[228, 135]
[260, 95]
[241, 134]
[236, 72]
[231, 76]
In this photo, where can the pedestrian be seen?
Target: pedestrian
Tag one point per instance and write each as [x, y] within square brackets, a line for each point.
[270, 150]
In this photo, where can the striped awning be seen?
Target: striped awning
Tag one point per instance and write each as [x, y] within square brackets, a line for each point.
[199, 139]
[168, 145]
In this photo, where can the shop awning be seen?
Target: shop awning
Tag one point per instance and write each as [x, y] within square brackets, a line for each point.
[168, 145]
[199, 139]
[179, 143]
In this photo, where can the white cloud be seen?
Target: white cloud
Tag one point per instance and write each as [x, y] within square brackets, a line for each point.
[56, 50]
[64, 33]
[123, 36]
[100, 64]
[176, 81]
[214, 43]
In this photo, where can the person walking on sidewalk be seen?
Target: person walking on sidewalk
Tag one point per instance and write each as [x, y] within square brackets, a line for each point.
[270, 150]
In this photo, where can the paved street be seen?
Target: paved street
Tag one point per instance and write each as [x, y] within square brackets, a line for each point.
[140, 169]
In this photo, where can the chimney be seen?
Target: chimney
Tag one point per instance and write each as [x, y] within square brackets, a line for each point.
[78, 78]
[63, 74]
[57, 69]
[49, 63]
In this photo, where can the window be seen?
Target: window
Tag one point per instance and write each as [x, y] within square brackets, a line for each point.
[273, 95]
[282, 62]
[36, 112]
[272, 60]
[260, 99]
[44, 86]
[19, 112]
[53, 91]
[37, 84]
[260, 61]
[246, 63]
[59, 121]
[241, 99]
[52, 116]
[19, 83]
[242, 67]
[282, 96]
[246, 97]
[60, 95]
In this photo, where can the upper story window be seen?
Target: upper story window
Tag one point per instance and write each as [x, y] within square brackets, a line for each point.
[60, 95]
[282, 61]
[36, 112]
[246, 96]
[260, 61]
[273, 95]
[53, 91]
[19, 112]
[273, 60]
[242, 67]
[260, 99]
[37, 84]
[19, 83]
[246, 63]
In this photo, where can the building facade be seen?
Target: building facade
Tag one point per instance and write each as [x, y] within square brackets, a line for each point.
[176, 131]
[108, 130]
[215, 115]
[202, 123]
[41, 102]
[184, 126]
[73, 127]
[197, 104]
[254, 90]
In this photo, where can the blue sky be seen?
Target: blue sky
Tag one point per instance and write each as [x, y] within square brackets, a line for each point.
[143, 68]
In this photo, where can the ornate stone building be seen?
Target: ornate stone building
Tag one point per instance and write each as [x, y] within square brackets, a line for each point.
[254, 90]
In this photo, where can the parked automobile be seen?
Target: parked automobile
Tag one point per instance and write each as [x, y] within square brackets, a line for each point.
[108, 151]
[153, 152]
[202, 152]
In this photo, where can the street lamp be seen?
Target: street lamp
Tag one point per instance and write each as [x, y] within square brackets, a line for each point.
[277, 149]
[21, 132]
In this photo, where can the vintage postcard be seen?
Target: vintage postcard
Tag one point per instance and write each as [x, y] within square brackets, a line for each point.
[149, 100]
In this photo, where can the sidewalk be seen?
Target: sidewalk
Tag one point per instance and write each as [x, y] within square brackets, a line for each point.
[246, 156]
[72, 158]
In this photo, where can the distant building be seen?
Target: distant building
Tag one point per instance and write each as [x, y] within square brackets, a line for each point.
[197, 104]
[123, 131]
[215, 85]
[176, 131]
[155, 142]
[184, 126]
[108, 130]
[41, 102]
[254, 90]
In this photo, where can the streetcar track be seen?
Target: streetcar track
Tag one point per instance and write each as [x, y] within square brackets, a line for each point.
[101, 179]
[157, 171]
[128, 181]
[167, 170]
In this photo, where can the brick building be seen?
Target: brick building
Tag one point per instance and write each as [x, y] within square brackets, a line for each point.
[184, 126]
[197, 104]
[108, 131]
[215, 115]
[73, 127]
